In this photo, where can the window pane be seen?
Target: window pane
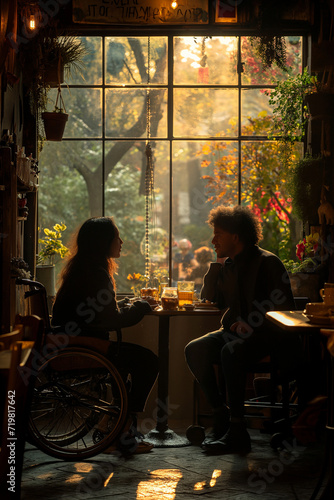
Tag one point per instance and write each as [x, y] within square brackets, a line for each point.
[77, 182]
[126, 112]
[204, 112]
[205, 60]
[256, 114]
[125, 200]
[127, 59]
[204, 173]
[64, 194]
[90, 72]
[254, 71]
[264, 188]
[84, 109]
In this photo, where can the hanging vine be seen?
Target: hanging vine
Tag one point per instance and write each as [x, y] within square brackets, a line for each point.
[270, 47]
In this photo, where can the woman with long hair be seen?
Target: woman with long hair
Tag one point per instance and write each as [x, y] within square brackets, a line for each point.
[86, 305]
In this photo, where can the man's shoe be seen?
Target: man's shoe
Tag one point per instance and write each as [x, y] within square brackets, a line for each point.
[221, 424]
[236, 440]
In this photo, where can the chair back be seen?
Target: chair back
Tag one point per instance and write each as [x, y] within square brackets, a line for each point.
[38, 303]
[18, 349]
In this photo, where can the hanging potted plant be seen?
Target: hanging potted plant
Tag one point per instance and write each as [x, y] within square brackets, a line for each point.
[62, 55]
[290, 116]
[55, 121]
[56, 58]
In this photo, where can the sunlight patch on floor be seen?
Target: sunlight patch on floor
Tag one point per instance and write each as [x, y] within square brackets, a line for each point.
[203, 484]
[162, 482]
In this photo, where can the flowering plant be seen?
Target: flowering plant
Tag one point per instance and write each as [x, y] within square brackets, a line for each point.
[52, 244]
[137, 280]
[305, 252]
[307, 246]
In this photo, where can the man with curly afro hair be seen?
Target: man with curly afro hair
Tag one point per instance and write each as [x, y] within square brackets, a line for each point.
[245, 282]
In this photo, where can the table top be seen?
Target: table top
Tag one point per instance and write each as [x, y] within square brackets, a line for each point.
[182, 312]
[293, 320]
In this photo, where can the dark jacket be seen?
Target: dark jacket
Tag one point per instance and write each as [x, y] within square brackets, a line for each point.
[246, 288]
[88, 307]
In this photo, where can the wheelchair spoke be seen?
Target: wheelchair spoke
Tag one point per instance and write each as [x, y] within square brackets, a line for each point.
[75, 391]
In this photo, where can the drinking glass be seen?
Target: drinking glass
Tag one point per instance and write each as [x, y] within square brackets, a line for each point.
[169, 299]
[185, 291]
[149, 292]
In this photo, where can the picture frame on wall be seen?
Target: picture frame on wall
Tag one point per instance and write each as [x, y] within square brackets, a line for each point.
[226, 11]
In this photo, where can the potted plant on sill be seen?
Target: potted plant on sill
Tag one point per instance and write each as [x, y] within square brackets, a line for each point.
[320, 101]
[55, 121]
[50, 247]
[306, 273]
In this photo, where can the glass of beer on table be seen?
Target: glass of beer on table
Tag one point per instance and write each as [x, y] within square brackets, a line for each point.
[149, 292]
[185, 291]
[169, 298]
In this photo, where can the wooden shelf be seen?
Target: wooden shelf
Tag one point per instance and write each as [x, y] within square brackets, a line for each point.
[22, 235]
[23, 187]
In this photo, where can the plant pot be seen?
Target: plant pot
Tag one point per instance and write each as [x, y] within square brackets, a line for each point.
[46, 275]
[306, 285]
[53, 74]
[54, 125]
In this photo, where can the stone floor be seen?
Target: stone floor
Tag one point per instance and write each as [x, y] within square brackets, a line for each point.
[178, 473]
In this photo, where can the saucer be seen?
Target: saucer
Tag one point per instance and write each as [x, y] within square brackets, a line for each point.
[321, 320]
[319, 309]
[188, 307]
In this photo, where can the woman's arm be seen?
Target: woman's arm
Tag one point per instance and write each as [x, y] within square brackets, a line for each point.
[100, 308]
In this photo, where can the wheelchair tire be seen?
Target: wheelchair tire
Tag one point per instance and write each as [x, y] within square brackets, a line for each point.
[77, 395]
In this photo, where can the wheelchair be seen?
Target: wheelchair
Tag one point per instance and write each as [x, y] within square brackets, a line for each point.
[79, 403]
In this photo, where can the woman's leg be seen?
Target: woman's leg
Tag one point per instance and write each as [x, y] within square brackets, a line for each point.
[143, 367]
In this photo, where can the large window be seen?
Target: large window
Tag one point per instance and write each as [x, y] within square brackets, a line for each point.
[195, 108]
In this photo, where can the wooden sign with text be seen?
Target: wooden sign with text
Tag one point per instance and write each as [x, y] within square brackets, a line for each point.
[139, 12]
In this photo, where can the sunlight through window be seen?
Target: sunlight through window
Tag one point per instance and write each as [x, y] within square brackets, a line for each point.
[162, 482]
[216, 473]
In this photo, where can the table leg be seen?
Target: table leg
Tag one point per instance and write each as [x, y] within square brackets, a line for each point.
[328, 492]
[162, 436]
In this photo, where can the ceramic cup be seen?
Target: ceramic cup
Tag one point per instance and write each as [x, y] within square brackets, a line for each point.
[327, 293]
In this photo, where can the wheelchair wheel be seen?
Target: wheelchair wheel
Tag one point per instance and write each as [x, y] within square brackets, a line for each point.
[79, 404]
